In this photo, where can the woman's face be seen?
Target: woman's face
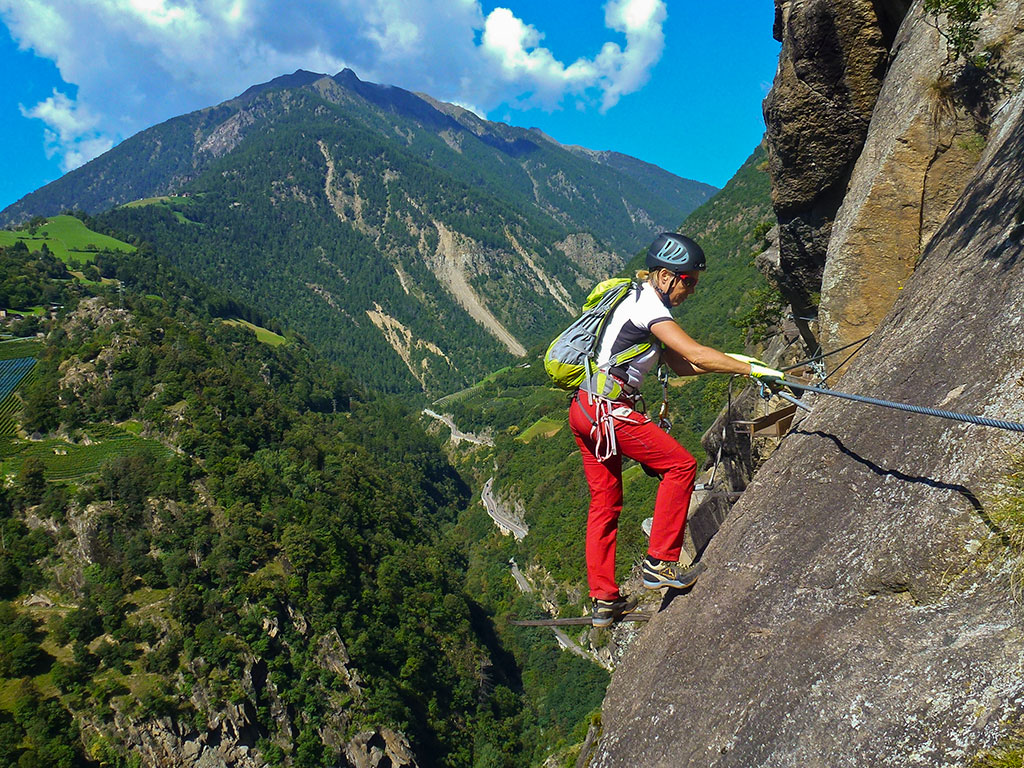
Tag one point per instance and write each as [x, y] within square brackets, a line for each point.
[677, 287]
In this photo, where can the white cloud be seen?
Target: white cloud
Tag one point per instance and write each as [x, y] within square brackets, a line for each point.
[138, 62]
[614, 72]
[625, 71]
[71, 130]
[515, 47]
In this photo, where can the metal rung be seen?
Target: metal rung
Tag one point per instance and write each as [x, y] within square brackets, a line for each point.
[775, 424]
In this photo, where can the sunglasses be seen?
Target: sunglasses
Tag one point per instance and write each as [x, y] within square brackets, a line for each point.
[688, 280]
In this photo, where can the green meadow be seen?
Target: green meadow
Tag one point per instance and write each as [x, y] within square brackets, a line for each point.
[67, 238]
[262, 334]
[12, 349]
[543, 427]
[171, 202]
[69, 461]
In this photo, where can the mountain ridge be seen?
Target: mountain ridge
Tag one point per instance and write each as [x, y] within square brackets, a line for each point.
[406, 238]
[438, 111]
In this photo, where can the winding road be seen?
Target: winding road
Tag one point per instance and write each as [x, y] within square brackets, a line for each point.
[563, 639]
[457, 434]
[497, 514]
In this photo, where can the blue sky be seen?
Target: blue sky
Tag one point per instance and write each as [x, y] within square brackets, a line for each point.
[677, 83]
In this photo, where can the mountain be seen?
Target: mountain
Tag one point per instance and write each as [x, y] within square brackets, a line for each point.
[132, 391]
[219, 549]
[409, 239]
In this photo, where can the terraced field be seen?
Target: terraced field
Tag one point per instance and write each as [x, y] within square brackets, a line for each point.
[12, 372]
[12, 349]
[70, 461]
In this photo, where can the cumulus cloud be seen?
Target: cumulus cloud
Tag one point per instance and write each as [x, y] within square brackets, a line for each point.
[614, 72]
[138, 62]
[71, 130]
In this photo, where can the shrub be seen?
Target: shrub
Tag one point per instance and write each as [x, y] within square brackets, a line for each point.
[961, 28]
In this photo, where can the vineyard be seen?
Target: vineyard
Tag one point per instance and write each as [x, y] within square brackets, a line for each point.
[17, 361]
[63, 460]
[12, 372]
[12, 349]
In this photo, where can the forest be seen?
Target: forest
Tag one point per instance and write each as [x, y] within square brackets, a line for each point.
[269, 506]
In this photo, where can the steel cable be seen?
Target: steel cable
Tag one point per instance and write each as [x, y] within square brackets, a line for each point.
[953, 415]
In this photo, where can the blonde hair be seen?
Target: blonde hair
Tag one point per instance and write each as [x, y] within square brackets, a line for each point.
[644, 274]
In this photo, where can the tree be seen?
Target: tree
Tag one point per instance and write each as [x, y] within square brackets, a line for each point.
[32, 480]
[962, 16]
[42, 408]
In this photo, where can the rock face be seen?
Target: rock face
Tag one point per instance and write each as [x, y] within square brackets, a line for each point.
[857, 609]
[231, 733]
[927, 133]
[834, 56]
[380, 748]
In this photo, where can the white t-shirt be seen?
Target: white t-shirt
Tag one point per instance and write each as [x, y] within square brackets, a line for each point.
[630, 323]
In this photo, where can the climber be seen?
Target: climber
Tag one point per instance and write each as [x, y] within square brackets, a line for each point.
[608, 426]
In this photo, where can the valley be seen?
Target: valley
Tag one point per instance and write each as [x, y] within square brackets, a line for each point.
[281, 464]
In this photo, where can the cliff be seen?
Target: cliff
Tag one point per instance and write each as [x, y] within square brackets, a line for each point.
[857, 609]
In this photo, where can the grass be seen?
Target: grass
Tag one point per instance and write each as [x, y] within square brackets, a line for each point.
[462, 394]
[67, 238]
[36, 311]
[8, 693]
[80, 276]
[543, 427]
[145, 597]
[270, 577]
[149, 201]
[151, 604]
[132, 427]
[11, 687]
[1008, 753]
[262, 334]
[12, 349]
[170, 202]
[1005, 507]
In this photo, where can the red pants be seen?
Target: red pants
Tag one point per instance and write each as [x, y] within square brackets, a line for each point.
[639, 439]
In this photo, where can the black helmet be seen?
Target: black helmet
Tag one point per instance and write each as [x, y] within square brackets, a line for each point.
[675, 252]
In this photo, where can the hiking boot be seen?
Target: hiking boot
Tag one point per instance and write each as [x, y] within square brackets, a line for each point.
[660, 573]
[607, 611]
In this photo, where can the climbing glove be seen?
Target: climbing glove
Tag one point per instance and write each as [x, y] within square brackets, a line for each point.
[758, 368]
[762, 371]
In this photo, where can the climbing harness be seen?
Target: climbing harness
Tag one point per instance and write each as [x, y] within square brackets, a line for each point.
[602, 425]
[663, 420]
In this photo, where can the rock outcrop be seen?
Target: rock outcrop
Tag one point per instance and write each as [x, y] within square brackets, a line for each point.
[857, 609]
[834, 56]
[927, 133]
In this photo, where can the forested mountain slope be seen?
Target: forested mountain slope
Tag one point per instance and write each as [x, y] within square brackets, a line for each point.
[217, 549]
[414, 242]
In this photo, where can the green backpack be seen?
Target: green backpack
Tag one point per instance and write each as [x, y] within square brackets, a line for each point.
[569, 360]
